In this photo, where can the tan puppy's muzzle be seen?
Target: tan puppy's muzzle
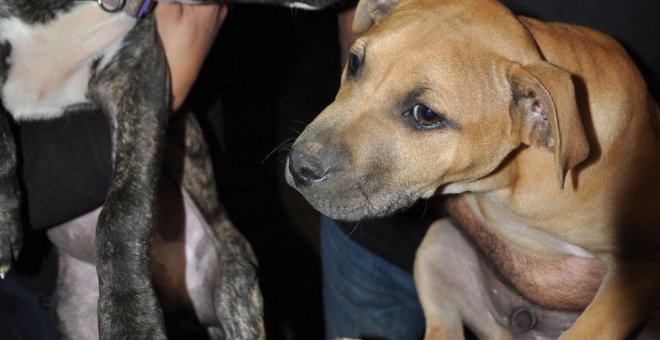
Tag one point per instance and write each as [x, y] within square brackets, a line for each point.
[335, 183]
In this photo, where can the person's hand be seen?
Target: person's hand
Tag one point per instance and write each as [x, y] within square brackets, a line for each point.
[187, 33]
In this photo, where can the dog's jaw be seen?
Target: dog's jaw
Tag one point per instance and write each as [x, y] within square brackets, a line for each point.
[342, 186]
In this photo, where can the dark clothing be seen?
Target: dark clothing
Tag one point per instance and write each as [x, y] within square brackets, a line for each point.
[17, 301]
[394, 238]
[65, 167]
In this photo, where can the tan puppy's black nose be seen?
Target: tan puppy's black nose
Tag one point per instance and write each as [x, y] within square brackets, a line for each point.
[305, 168]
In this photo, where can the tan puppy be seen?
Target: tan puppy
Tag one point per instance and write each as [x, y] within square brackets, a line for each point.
[546, 132]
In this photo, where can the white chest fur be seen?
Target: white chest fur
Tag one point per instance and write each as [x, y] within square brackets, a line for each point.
[50, 64]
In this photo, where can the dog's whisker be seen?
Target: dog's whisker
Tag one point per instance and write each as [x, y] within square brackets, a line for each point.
[278, 166]
[355, 228]
[280, 147]
[278, 170]
[426, 206]
[298, 132]
[300, 122]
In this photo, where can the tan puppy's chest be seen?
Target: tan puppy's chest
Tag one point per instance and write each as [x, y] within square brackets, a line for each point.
[553, 266]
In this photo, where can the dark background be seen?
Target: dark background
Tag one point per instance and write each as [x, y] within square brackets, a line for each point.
[271, 71]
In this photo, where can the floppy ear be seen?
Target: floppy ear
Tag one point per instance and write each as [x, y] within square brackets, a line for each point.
[545, 114]
[369, 12]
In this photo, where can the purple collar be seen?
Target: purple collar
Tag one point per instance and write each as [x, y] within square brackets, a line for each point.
[134, 8]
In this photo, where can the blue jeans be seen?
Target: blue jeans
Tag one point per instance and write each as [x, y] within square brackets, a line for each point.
[365, 296]
[21, 315]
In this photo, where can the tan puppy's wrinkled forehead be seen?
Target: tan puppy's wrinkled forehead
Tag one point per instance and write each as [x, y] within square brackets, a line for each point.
[487, 23]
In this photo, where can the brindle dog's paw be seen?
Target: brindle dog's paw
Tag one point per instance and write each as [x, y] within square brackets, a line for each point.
[11, 240]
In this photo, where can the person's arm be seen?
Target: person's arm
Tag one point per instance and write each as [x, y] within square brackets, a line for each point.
[66, 162]
[187, 33]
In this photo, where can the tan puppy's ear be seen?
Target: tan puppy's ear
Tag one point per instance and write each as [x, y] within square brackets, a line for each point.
[369, 12]
[545, 114]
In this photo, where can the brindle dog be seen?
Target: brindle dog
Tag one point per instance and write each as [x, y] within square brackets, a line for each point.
[60, 56]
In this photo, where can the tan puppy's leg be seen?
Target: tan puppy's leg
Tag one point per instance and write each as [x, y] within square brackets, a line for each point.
[628, 295]
[450, 285]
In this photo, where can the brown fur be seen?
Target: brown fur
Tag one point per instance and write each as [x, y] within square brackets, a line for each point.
[550, 141]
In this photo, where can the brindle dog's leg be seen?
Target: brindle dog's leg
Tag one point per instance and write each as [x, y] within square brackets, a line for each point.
[133, 92]
[11, 234]
[237, 298]
[213, 278]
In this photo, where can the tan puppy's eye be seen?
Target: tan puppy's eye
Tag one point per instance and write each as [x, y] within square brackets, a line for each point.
[426, 117]
[354, 63]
